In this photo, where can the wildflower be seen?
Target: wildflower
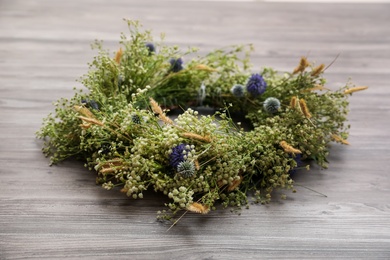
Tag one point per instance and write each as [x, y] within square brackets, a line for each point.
[256, 85]
[271, 105]
[151, 48]
[238, 90]
[177, 155]
[176, 64]
[186, 169]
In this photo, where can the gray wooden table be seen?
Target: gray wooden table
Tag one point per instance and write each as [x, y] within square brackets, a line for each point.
[59, 212]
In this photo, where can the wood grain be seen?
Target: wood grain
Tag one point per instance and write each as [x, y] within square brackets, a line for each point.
[58, 212]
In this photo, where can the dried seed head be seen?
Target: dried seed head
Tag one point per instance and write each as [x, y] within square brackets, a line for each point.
[316, 87]
[197, 166]
[288, 148]
[339, 139]
[85, 125]
[155, 106]
[303, 64]
[118, 56]
[293, 102]
[304, 109]
[158, 110]
[196, 137]
[204, 68]
[351, 90]
[317, 70]
[110, 166]
[84, 111]
[198, 208]
[235, 184]
[91, 120]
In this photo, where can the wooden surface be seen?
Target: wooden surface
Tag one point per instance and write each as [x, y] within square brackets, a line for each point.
[59, 212]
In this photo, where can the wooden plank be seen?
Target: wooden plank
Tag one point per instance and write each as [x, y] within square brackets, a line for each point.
[58, 212]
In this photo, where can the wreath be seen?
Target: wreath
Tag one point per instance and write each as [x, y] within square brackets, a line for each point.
[122, 127]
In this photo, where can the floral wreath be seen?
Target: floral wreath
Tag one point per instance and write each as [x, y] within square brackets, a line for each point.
[122, 128]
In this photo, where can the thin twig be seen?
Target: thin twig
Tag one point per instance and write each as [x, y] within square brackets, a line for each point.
[311, 190]
[332, 62]
[177, 220]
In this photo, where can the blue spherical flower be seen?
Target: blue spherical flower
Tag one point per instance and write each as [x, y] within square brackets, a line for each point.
[238, 90]
[271, 105]
[150, 46]
[186, 169]
[176, 64]
[120, 80]
[136, 119]
[177, 155]
[90, 103]
[300, 163]
[256, 85]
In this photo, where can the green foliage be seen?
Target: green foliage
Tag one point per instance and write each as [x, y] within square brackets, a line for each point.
[128, 140]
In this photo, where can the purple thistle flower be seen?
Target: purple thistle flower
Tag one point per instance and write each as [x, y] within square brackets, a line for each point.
[176, 64]
[177, 155]
[256, 85]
